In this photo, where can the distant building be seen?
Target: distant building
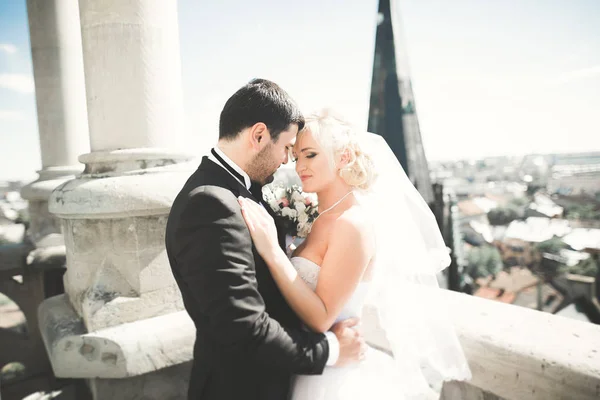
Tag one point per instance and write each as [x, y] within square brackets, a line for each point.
[572, 159]
[537, 229]
[463, 188]
[575, 174]
[551, 298]
[519, 286]
[516, 252]
[583, 239]
[470, 210]
[516, 242]
[575, 183]
[543, 206]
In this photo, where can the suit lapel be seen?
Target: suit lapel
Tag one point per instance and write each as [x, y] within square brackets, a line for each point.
[214, 169]
[237, 188]
[275, 304]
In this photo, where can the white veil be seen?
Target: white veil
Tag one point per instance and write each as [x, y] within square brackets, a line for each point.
[404, 295]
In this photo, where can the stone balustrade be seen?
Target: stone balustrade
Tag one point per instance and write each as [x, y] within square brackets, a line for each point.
[514, 352]
[518, 353]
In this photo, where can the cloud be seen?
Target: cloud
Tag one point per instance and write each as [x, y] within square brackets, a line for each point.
[8, 48]
[579, 74]
[11, 115]
[18, 82]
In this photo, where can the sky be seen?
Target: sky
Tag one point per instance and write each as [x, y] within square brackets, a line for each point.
[496, 77]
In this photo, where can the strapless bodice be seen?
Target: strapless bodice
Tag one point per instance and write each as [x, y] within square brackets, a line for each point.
[309, 272]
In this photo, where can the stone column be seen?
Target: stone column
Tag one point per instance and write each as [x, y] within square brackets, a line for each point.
[122, 313]
[61, 106]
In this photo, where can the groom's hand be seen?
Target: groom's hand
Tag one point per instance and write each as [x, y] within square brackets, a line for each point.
[352, 344]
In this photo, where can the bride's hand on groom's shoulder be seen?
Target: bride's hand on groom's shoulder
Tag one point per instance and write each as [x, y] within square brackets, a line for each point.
[261, 226]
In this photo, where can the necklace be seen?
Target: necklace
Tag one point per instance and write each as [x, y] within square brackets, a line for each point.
[334, 204]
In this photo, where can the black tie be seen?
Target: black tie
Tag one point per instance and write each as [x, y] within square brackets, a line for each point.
[256, 190]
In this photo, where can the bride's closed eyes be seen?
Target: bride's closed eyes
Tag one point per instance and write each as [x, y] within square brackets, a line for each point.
[309, 154]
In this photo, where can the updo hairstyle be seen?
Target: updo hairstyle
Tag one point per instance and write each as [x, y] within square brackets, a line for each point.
[337, 137]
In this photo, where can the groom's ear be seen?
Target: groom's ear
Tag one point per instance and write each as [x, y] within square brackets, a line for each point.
[258, 135]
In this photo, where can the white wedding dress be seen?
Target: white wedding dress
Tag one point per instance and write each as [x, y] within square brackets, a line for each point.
[371, 379]
[403, 296]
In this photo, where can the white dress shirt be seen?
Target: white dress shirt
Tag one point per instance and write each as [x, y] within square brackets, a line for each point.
[233, 165]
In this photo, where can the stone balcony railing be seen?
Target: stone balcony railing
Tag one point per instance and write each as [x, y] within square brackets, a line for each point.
[514, 353]
[518, 353]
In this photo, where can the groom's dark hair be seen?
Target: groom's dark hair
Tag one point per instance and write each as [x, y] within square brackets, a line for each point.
[260, 100]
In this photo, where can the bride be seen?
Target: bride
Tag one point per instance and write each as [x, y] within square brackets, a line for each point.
[375, 245]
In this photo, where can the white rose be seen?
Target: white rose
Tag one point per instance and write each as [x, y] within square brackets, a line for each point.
[288, 212]
[297, 197]
[302, 218]
[268, 194]
[300, 227]
[274, 205]
[303, 230]
[300, 207]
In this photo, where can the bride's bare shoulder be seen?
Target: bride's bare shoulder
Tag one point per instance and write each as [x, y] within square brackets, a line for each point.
[355, 215]
[355, 219]
[353, 231]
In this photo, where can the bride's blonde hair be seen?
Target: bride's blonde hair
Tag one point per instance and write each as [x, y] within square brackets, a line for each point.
[337, 137]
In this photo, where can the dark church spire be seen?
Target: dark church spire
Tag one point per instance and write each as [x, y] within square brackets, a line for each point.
[392, 112]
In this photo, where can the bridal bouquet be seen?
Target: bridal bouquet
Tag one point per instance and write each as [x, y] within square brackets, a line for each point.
[295, 208]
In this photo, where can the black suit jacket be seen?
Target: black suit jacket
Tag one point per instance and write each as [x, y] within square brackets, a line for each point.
[248, 340]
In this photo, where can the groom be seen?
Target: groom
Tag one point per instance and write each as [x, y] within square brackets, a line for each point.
[248, 341]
